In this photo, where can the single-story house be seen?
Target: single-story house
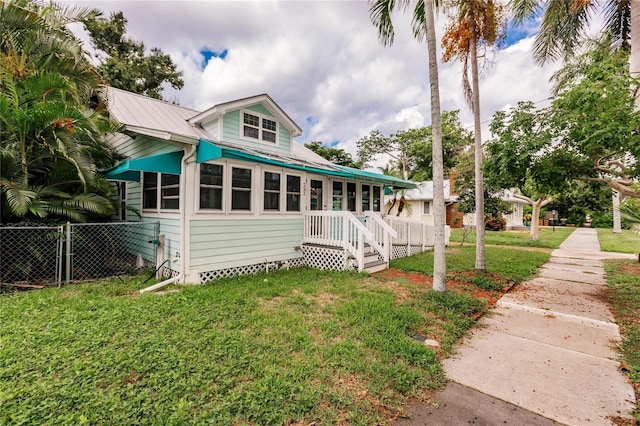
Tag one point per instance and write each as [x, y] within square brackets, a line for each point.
[515, 219]
[234, 193]
[417, 204]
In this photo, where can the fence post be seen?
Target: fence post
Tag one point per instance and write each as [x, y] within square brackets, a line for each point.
[68, 255]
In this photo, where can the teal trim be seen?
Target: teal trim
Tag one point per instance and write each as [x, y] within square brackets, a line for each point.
[129, 170]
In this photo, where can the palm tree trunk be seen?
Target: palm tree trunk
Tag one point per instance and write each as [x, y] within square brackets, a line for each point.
[473, 53]
[439, 261]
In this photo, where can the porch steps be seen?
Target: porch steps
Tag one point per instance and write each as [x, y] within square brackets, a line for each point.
[372, 262]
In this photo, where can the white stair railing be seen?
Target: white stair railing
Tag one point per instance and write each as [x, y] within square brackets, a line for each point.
[342, 229]
[382, 233]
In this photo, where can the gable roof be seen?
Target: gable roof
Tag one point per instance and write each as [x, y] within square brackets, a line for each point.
[218, 110]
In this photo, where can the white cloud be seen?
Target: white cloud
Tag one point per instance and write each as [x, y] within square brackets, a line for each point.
[321, 61]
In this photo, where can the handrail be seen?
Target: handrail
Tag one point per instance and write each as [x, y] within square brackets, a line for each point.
[338, 228]
[392, 232]
[383, 234]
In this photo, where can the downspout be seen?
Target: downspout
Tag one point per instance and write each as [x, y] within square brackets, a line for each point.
[183, 226]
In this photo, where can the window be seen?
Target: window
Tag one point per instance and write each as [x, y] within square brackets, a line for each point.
[376, 199]
[122, 189]
[168, 192]
[351, 196]
[271, 191]
[240, 189]
[366, 198]
[293, 193]
[337, 196]
[257, 127]
[149, 190]
[427, 207]
[211, 178]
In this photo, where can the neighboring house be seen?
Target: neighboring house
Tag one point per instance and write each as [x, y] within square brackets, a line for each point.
[417, 204]
[234, 193]
[515, 219]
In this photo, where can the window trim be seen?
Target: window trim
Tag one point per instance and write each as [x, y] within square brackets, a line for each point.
[158, 190]
[252, 188]
[199, 187]
[429, 213]
[264, 191]
[260, 128]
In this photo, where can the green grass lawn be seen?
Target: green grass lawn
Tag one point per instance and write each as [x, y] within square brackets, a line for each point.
[626, 242]
[623, 277]
[299, 346]
[547, 238]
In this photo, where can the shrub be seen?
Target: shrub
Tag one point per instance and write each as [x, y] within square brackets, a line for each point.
[494, 223]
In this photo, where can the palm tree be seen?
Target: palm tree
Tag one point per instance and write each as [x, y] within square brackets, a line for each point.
[50, 140]
[477, 22]
[423, 29]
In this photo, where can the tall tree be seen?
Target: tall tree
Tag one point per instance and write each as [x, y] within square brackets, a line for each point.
[478, 22]
[423, 26]
[125, 63]
[522, 156]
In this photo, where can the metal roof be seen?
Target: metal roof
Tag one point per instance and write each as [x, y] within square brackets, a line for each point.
[140, 111]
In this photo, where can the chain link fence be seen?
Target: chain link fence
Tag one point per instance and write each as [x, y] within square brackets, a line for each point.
[41, 255]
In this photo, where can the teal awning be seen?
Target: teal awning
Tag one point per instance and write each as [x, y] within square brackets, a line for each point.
[387, 180]
[211, 151]
[129, 170]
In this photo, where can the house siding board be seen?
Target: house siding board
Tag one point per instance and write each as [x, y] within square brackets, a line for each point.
[220, 244]
[171, 230]
[260, 109]
[212, 128]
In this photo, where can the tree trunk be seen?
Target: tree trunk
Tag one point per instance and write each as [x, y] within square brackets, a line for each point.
[617, 226]
[535, 220]
[473, 57]
[439, 260]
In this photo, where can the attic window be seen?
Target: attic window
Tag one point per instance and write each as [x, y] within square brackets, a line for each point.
[260, 128]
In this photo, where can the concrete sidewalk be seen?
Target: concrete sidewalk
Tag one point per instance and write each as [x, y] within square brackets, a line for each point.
[547, 354]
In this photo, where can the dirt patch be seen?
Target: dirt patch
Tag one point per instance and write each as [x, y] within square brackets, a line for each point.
[457, 282]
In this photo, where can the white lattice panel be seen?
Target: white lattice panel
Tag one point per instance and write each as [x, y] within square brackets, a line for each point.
[415, 250]
[398, 251]
[250, 269]
[324, 258]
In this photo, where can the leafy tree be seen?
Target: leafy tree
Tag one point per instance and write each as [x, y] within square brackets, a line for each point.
[595, 121]
[335, 155]
[477, 23]
[125, 64]
[423, 26]
[522, 155]
[411, 150]
[50, 140]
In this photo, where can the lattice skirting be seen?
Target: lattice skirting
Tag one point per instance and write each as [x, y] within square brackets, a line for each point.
[398, 251]
[251, 269]
[327, 258]
[169, 273]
